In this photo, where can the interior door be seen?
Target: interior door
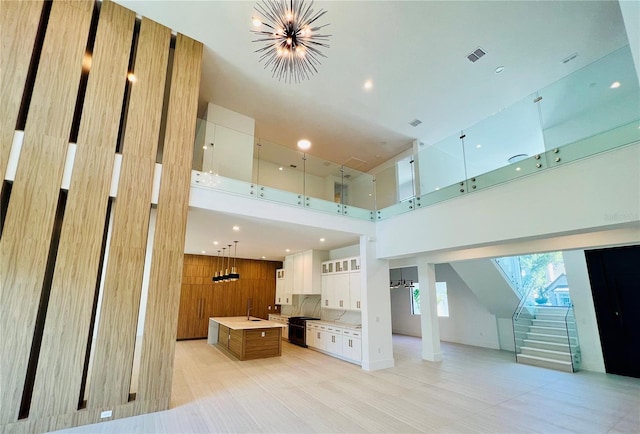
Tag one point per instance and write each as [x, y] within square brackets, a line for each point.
[615, 284]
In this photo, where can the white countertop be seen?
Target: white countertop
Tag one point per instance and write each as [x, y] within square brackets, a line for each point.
[343, 325]
[241, 323]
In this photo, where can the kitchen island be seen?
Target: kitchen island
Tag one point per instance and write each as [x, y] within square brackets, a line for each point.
[246, 339]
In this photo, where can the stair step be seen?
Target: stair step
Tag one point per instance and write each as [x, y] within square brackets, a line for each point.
[554, 346]
[550, 317]
[551, 310]
[544, 362]
[550, 338]
[549, 354]
[560, 331]
[549, 323]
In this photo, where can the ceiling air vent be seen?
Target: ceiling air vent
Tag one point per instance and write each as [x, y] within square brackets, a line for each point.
[415, 122]
[477, 54]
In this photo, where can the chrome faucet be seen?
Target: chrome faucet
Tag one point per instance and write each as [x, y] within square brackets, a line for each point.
[248, 309]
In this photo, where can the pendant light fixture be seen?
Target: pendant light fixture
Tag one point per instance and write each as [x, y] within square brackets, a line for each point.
[221, 277]
[234, 271]
[226, 276]
[216, 275]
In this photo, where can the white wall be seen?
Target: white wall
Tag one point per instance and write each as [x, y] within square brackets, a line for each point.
[469, 322]
[345, 252]
[402, 322]
[229, 140]
[575, 265]
[594, 194]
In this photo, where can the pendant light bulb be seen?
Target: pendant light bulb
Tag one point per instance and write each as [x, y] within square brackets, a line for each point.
[234, 271]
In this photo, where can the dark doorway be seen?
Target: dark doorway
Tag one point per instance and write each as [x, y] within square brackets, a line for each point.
[615, 284]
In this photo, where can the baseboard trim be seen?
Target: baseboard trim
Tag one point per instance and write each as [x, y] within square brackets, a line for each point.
[378, 364]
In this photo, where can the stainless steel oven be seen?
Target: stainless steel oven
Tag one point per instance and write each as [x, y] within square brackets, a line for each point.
[297, 329]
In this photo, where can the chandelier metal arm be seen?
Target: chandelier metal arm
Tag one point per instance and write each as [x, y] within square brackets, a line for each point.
[291, 40]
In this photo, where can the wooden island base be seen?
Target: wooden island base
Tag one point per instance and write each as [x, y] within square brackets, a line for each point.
[251, 343]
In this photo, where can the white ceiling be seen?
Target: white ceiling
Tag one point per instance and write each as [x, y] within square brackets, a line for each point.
[257, 237]
[415, 53]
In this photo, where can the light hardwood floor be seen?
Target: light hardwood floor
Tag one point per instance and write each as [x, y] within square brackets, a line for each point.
[471, 390]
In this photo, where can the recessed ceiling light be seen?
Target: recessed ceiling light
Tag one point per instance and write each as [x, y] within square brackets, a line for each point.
[132, 77]
[236, 228]
[280, 168]
[437, 188]
[264, 257]
[518, 169]
[287, 250]
[478, 146]
[368, 85]
[215, 243]
[615, 85]
[322, 240]
[499, 69]
[304, 144]
[204, 251]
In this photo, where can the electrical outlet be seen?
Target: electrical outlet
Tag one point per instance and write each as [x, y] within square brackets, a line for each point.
[106, 413]
[269, 307]
[263, 334]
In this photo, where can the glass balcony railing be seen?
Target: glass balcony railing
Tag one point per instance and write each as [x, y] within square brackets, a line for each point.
[592, 110]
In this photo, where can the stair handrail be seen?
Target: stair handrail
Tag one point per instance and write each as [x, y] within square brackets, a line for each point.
[574, 357]
[521, 305]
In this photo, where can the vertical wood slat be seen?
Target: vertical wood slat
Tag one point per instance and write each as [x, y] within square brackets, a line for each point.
[18, 29]
[64, 342]
[24, 246]
[115, 343]
[158, 344]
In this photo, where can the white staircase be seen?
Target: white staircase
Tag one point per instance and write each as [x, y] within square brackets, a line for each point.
[547, 338]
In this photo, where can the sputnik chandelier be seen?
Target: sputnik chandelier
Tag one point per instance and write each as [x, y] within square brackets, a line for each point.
[289, 34]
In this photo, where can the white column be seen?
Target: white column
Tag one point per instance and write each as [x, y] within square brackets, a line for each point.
[377, 344]
[429, 311]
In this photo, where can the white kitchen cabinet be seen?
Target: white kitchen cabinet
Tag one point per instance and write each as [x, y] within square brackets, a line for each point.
[333, 341]
[341, 285]
[310, 339]
[282, 320]
[305, 269]
[283, 297]
[343, 342]
[329, 294]
[355, 291]
[316, 336]
[352, 345]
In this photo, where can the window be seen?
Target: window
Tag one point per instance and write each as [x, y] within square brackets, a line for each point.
[441, 297]
[415, 299]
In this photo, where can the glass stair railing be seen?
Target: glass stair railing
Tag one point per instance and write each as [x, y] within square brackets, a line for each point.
[546, 336]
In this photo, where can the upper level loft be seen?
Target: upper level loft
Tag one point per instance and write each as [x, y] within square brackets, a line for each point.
[592, 110]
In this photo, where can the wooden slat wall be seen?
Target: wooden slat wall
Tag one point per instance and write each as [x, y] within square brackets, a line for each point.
[201, 298]
[158, 344]
[123, 282]
[18, 28]
[27, 234]
[24, 246]
[59, 374]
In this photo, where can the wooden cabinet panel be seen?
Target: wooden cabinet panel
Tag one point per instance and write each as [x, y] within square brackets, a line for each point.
[256, 282]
